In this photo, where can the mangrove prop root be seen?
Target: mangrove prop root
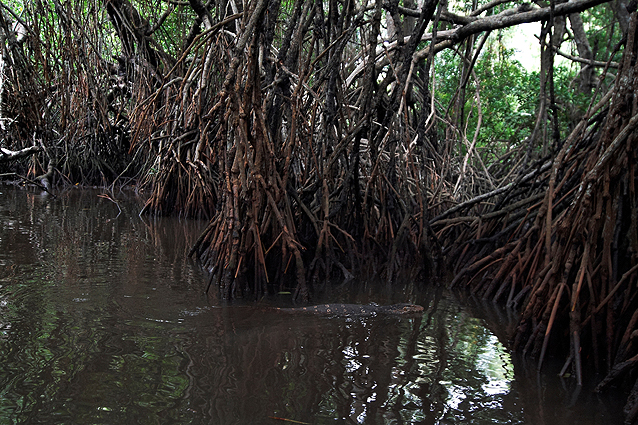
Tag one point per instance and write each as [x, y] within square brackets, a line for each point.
[578, 257]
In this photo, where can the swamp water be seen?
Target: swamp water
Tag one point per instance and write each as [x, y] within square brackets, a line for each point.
[103, 320]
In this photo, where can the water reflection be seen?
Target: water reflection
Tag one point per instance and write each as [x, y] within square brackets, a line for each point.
[349, 370]
[103, 320]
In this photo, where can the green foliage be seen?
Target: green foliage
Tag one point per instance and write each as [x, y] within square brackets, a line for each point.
[508, 100]
[603, 31]
[571, 103]
[508, 96]
[509, 93]
[174, 29]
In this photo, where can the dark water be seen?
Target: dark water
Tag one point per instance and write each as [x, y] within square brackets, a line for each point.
[103, 320]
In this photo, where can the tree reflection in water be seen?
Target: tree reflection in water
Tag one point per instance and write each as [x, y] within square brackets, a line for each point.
[444, 366]
[103, 320]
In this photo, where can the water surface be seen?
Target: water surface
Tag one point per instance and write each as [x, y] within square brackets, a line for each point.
[103, 320]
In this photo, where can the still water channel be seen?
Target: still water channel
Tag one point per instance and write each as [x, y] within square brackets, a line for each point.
[103, 320]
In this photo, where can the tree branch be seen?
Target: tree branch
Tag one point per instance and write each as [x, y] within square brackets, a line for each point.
[6, 155]
[509, 18]
[589, 62]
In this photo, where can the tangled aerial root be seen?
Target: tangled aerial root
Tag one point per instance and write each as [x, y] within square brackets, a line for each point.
[561, 242]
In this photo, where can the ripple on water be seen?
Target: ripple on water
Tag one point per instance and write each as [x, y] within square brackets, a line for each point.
[104, 320]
